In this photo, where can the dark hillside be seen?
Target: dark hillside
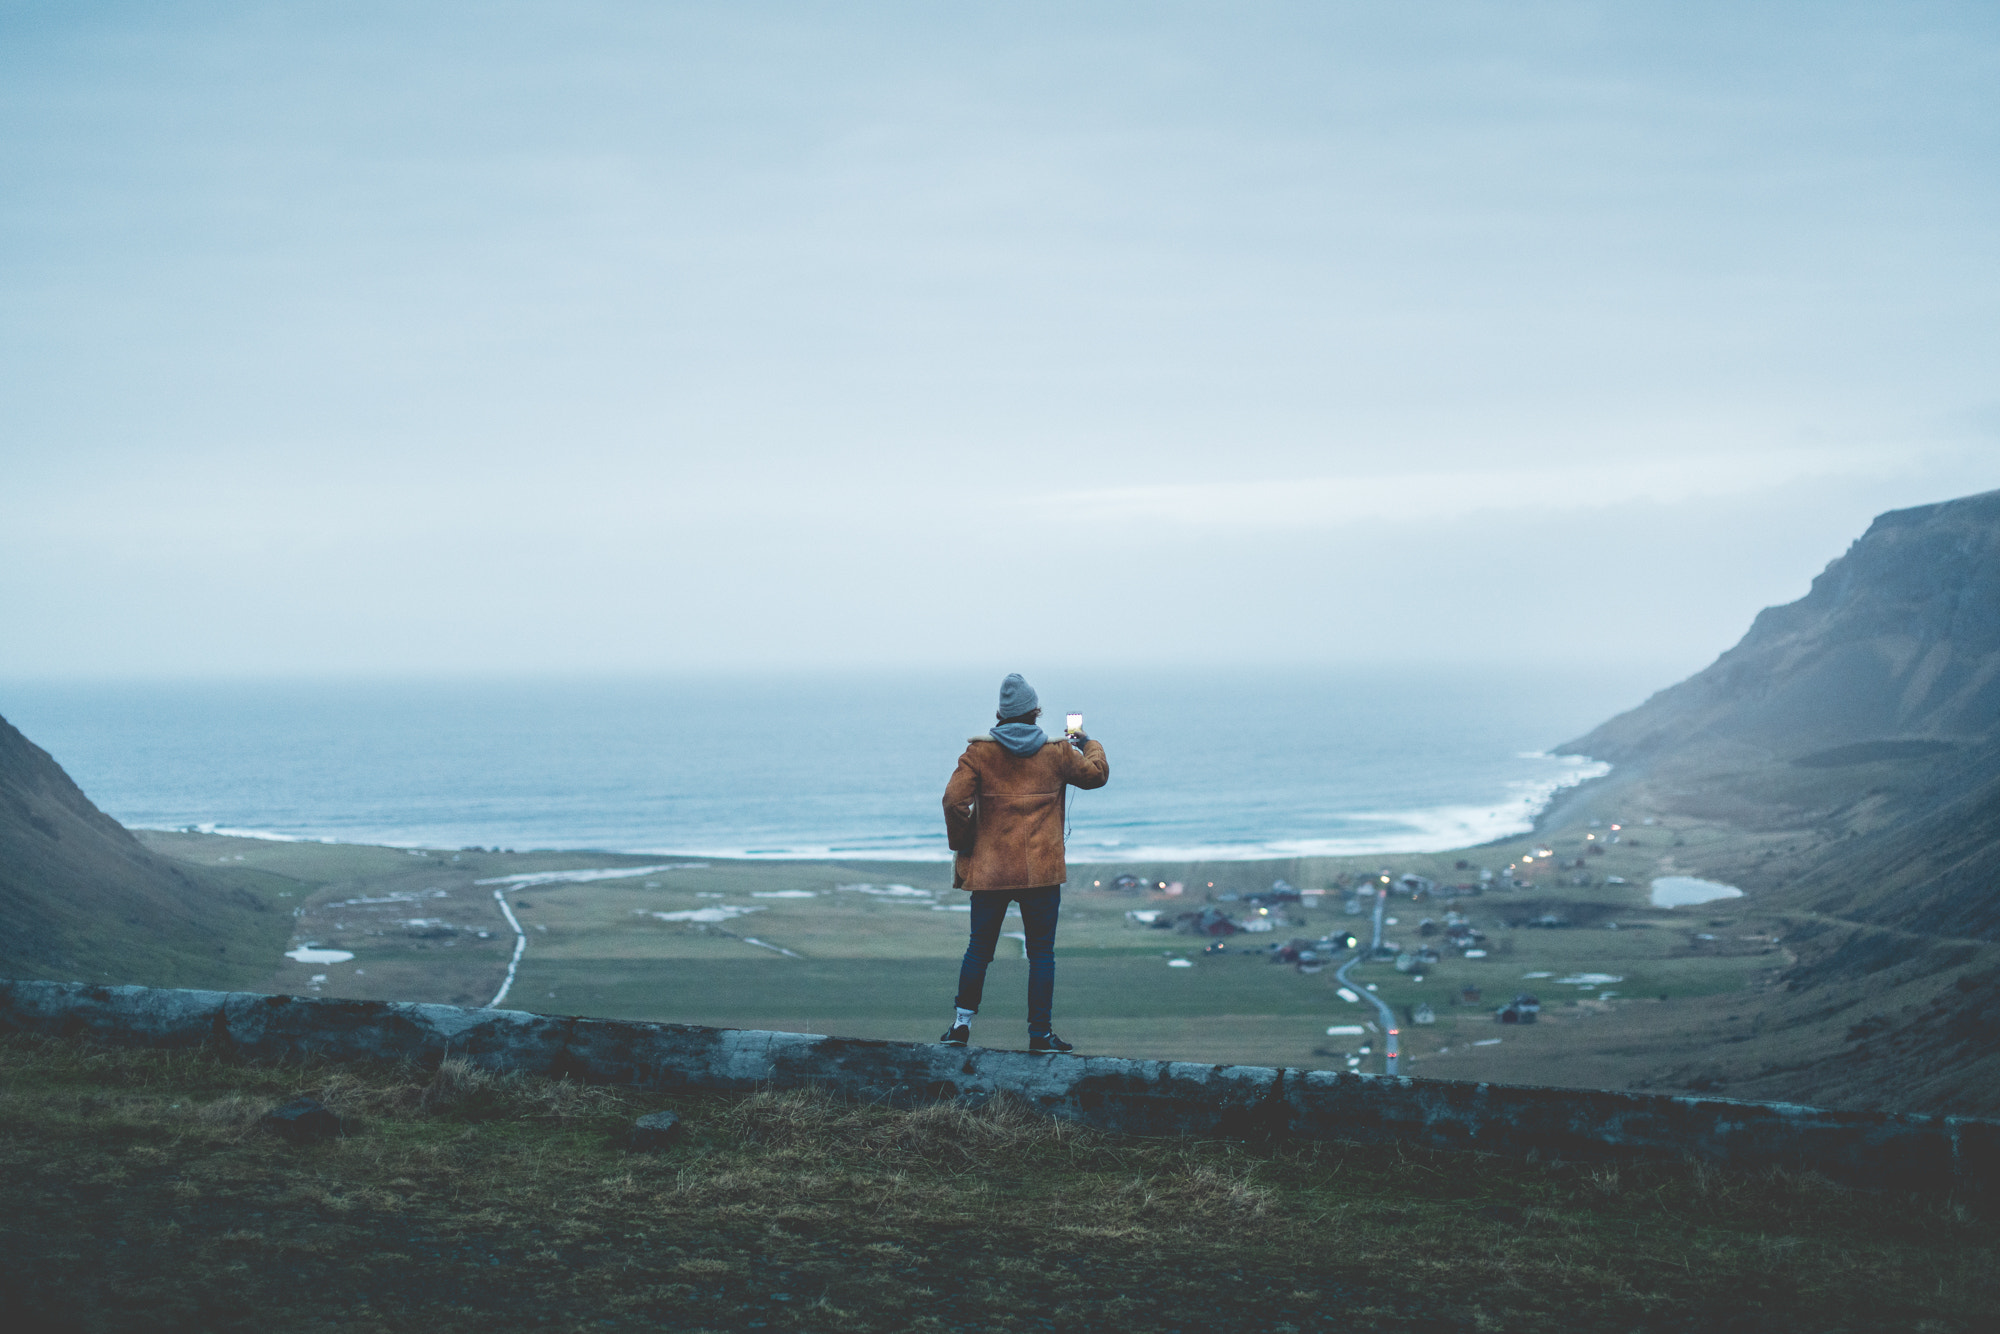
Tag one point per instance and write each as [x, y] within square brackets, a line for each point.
[1850, 746]
[81, 900]
[1936, 873]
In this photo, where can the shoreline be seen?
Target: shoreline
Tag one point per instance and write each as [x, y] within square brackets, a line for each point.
[1467, 819]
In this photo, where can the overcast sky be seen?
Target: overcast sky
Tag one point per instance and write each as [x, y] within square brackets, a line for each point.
[394, 338]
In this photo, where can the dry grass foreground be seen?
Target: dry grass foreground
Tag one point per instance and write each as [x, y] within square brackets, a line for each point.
[142, 1193]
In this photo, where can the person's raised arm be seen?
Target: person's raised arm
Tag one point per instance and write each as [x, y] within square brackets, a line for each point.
[1086, 766]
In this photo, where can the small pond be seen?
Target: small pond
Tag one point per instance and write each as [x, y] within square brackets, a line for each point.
[311, 954]
[1678, 891]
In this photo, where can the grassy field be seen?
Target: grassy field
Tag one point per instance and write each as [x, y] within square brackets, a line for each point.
[141, 1192]
[793, 950]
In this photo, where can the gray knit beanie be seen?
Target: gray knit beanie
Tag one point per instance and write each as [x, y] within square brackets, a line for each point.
[1016, 697]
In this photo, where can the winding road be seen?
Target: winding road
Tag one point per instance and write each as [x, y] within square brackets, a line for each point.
[507, 882]
[1381, 1008]
[520, 948]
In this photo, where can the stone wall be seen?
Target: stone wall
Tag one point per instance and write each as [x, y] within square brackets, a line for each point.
[1882, 1150]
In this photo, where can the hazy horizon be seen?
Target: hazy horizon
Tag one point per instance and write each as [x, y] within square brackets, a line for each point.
[364, 341]
[1225, 764]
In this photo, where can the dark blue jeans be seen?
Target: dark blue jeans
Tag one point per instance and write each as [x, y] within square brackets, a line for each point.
[1039, 908]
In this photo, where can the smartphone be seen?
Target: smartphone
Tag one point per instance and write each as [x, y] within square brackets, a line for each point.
[1073, 724]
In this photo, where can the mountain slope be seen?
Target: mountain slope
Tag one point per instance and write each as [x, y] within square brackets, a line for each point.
[1848, 751]
[1898, 639]
[81, 900]
[1865, 718]
[1936, 873]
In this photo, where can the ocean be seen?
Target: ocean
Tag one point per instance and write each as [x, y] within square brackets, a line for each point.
[1205, 765]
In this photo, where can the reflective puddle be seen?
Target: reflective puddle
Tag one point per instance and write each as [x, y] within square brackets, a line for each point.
[1678, 891]
[312, 954]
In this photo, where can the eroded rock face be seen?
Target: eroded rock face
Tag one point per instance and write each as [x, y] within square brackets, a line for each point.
[1898, 639]
[1111, 1093]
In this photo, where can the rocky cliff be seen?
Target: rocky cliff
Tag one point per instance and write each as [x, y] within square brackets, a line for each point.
[1897, 642]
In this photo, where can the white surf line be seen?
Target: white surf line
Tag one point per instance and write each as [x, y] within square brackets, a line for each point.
[1021, 936]
[520, 948]
[765, 944]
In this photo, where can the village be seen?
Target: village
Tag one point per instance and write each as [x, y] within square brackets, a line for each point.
[1460, 960]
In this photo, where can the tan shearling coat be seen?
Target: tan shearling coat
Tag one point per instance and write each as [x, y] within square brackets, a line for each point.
[1009, 810]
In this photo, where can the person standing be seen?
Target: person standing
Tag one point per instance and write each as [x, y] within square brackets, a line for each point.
[1003, 818]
